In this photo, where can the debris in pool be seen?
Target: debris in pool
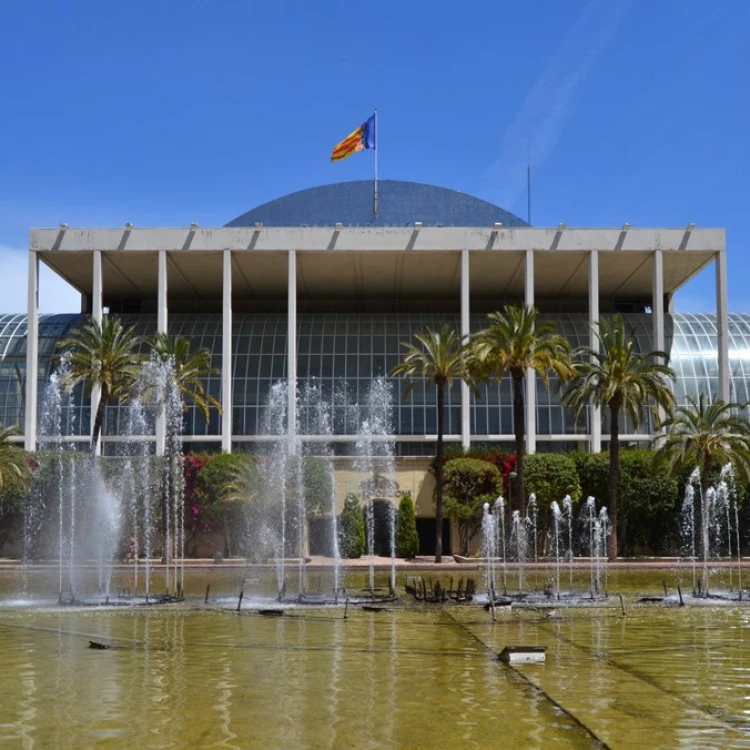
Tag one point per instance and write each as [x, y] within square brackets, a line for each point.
[271, 612]
[521, 654]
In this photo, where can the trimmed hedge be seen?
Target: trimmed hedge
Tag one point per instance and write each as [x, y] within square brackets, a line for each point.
[351, 528]
[650, 499]
[407, 538]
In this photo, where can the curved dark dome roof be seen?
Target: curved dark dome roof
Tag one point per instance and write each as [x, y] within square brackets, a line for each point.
[401, 204]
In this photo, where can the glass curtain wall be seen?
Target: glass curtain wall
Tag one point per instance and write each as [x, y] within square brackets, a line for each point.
[342, 353]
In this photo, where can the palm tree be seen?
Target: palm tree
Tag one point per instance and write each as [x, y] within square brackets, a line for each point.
[15, 471]
[190, 370]
[438, 358]
[707, 435]
[104, 354]
[622, 379]
[515, 342]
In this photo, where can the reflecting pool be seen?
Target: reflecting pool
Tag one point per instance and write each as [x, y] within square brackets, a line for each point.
[415, 676]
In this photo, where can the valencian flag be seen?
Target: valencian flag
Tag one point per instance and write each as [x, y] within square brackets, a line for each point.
[362, 138]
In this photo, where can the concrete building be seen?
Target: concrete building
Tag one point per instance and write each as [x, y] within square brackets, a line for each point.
[315, 273]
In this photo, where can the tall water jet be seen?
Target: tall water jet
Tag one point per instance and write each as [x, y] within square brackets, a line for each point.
[392, 540]
[558, 523]
[141, 478]
[726, 518]
[315, 418]
[568, 512]
[596, 530]
[519, 543]
[604, 532]
[273, 481]
[687, 525]
[56, 422]
[162, 390]
[370, 541]
[375, 457]
[532, 518]
[489, 549]
[499, 511]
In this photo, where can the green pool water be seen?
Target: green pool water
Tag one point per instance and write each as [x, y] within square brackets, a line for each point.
[418, 676]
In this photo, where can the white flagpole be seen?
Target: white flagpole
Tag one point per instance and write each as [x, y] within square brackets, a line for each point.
[377, 212]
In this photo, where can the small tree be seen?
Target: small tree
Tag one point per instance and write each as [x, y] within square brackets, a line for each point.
[104, 355]
[227, 484]
[438, 358]
[318, 485]
[706, 434]
[617, 376]
[515, 342]
[469, 484]
[407, 539]
[351, 528]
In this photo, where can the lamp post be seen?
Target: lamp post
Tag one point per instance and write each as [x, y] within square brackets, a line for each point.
[511, 477]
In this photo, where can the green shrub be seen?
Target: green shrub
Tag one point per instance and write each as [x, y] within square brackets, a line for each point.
[593, 474]
[550, 476]
[226, 484]
[318, 485]
[650, 501]
[351, 528]
[649, 498]
[407, 539]
[469, 484]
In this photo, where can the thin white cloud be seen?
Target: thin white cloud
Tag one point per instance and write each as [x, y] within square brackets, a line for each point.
[543, 113]
[55, 294]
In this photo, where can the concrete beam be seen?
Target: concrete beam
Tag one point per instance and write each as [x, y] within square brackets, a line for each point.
[390, 239]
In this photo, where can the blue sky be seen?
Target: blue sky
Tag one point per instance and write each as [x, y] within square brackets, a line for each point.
[171, 112]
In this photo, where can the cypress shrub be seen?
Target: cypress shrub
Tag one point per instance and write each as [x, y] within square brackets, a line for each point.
[351, 528]
[407, 539]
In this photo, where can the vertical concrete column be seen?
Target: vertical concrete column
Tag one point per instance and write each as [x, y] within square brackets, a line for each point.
[226, 353]
[530, 374]
[32, 354]
[291, 354]
[465, 330]
[657, 300]
[161, 327]
[657, 307]
[722, 324]
[97, 312]
[595, 414]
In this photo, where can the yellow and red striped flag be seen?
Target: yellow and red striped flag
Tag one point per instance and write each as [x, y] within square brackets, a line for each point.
[362, 138]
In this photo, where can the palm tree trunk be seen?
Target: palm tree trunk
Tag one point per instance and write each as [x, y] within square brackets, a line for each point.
[227, 543]
[519, 427]
[614, 479]
[99, 419]
[705, 543]
[439, 475]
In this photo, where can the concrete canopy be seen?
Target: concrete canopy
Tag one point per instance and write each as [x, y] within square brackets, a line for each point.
[390, 266]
